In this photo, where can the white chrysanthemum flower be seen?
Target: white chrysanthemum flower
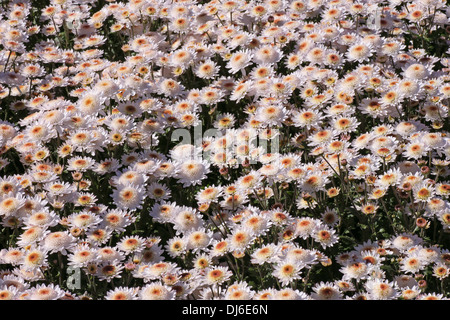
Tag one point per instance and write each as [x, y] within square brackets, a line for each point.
[156, 291]
[380, 289]
[121, 293]
[170, 87]
[35, 258]
[187, 219]
[199, 239]
[217, 275]
[325, 236]
[129, 197]
[307, 118]
[9, 205]
[271, 115]
[239, 60]
[267, 254]
[405, 241]
[416, 71]
[192, 172]
[131, 244]
[241, 238]
[267, 55]
[81, 256]
[359, 52]
[415, 150]
[80, 164]
[355, 270]
[58, 241]
[207, 70]
[182, 58]
[90, 104]
[239, 291]
[291, 294]
[326, 291]
[287, 272]
[46, 292]
[412, 264]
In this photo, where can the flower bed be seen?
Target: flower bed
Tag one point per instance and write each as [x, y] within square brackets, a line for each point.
[224, 150]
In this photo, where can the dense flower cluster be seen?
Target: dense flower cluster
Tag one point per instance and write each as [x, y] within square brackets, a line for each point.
[313, 162]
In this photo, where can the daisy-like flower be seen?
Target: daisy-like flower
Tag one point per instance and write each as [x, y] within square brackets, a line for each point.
[9, 205]
[326, 291]
[404, 241]
[129, 197]
[219, 248]
[356, 270]
[249, 182]
[209, 194]
[158, 191]
[207, 70]
[410, 293]
[81, 256]
[217, 275]
[379, 289]
[359, 52]
[391, 177]
[287, 272]
[192, 172]
[441, 271]
[431, 296]
[241, 238]
[156, 291]
[35, 258]
[182, 58]
[344, 124]
[84, 220]
[330, 217]
[271, 115]
[325, 236]
[90, 104]
[8, 293]
[109, 270]
[258, 223]
[131, 244]
[267, 55]
[423, 192]
[32, 235]
[187, 219]
[199, 239]
[306, 118]
[305, 226]
[108, 254]
[58, 241]
[80, 164]
[239, 291]
[239, 61]
[267, 254]
[415, 150]
[121, 293]
[416, 71]
[412, 264]
[234, 201]
[164, 212]
[225, 121]
[46, 292]
[171, 87]
[99, 235]
[117, 220]
[314, 180]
